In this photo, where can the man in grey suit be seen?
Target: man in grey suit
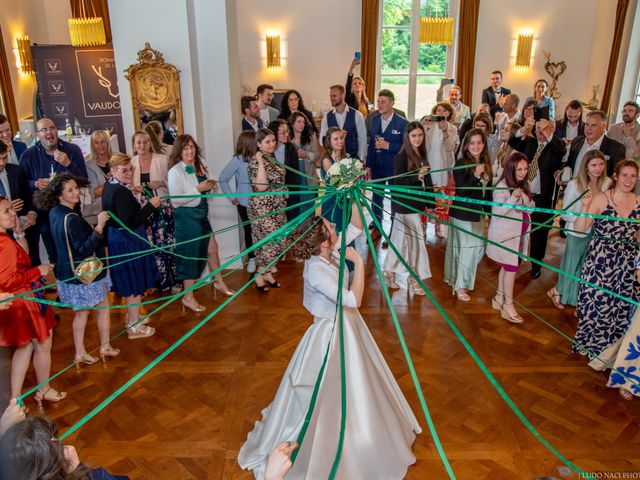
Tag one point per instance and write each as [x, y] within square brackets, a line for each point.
[264, 96]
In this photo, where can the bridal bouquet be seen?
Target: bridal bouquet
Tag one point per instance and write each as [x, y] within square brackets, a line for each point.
[345, 171]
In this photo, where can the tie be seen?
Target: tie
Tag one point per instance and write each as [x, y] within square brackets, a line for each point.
[533, 166]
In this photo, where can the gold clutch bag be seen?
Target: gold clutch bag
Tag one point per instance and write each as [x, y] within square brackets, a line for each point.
[89, 268]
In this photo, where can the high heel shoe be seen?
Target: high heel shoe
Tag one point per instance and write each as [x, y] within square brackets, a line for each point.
[261, 288]
[497, 304]
[513, 316]
[555, 297]
[222, 288]
[274, 284]
[139, 331]
[414, 287]
[49, 395]
[390, 279]
[108, 352]
[194, 308]
[84, 358]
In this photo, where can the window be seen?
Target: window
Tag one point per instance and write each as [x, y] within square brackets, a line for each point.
[412, 70]
[637, 93]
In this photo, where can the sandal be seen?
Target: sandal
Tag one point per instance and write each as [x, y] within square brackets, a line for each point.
[108, 352]
[49, 395]
[626, 394]
[415, 288]
[84, 358]
[510, 316]
[462, 295]
[555, 297]
[497, 302]
[139, 331]
[390, 279]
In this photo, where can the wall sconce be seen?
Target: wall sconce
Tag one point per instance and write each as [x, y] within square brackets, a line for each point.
[273, 51]
[24, 52]
[523, 51]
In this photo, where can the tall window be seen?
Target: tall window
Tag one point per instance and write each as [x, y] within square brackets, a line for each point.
[637, 93]
[412, 70]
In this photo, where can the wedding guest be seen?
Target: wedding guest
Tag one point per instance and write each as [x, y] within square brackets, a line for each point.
[484, 122]
[156, 134]
[292, 103]
[47, 157]
[264, 97]
[627, 132]
[441, 141]
[591, 179]
[251, 120]
[26, 325]
[287, 154]
[609, 264]
[509, 236]
[266, 175]
[541, 98]
[150, 180]
[468, 123]
[306, 144]
[407, 232]
[493, 94]
[237, 169]
[504, 150]
[30, 450]
[97, 162]
[76, 240]
[15, 148]
[348, 119]
[510, 112]
[333, 152]
[465, 251]
[571, 125]
[356, 96]
[461, 111]
[131, 279]
[190, 176]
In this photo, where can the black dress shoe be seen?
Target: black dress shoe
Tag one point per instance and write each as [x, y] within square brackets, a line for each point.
[535, 273]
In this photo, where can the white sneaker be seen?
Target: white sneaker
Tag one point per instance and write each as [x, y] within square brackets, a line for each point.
[251, 266]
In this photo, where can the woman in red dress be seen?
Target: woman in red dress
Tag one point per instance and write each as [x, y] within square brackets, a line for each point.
[26, 324]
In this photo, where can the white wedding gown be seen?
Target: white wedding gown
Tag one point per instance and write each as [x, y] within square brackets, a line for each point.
[380, 426]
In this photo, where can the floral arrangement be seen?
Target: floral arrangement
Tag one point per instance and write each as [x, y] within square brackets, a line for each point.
[347, 170]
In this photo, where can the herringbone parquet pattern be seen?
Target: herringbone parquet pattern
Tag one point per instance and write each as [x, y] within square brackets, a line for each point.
[189, 416]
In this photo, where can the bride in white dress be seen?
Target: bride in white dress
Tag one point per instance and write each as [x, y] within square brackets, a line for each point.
[380, 427]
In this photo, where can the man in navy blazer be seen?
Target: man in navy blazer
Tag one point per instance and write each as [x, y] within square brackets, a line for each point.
[251, 120]
[16, 149]
[386, 132]
[494, 92]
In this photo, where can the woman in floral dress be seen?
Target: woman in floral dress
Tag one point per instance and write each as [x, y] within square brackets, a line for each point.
[266, 175]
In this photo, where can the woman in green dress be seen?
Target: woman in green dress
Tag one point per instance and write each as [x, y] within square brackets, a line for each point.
[189, 176]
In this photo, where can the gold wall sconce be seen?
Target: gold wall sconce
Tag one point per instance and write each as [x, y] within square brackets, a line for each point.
[24, 53]
[273, 50]
[523, 51]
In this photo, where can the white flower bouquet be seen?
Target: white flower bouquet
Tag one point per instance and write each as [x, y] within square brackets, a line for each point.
[347, 170]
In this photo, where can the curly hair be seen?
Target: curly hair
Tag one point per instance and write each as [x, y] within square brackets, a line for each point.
[49, 197]
[313, 233]
[28, 450]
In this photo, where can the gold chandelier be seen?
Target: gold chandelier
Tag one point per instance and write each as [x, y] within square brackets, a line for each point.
[436, 29]
[86, 31]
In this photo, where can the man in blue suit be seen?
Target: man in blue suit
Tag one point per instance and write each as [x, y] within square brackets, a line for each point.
[385, 142]
[15, 148]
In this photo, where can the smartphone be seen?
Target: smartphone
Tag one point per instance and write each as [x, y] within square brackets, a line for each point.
[438, 118]
[357, 56]
[540, 113]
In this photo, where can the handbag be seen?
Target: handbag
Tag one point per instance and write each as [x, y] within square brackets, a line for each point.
[89, 268]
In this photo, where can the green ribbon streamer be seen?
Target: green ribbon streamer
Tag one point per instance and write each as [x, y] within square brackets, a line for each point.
[295, 222]
[483, 368]
[396, 322]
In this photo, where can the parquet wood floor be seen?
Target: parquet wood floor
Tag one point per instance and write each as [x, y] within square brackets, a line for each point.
[189, 416]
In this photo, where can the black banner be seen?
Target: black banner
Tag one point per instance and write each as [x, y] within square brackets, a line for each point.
[79, 83]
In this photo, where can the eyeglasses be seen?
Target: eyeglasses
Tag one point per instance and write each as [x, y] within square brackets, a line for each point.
[52, 128]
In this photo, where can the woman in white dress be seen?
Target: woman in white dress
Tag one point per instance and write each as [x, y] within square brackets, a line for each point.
[380, 431]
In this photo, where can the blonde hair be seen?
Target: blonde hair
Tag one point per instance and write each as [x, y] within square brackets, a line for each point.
[119, 160]
[105, 136]
[154, 130]
[582, 179]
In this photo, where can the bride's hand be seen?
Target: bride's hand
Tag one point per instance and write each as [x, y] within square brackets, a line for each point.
[352, 255]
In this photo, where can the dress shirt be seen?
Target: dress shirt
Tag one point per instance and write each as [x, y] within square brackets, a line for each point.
[360, 128]
[585, 148]
[5, 183]
[13, 157]
[264, 115]
[385, 123]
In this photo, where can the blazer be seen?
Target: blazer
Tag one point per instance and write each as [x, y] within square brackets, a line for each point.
[19, 187]
[96, 178]
[613, 152]
[182, 183]
[400, 166]
[247, 127]
[489, 97]
[561, 129]
[19, 148]
[157, 171]
[382, 162]
[83, 240]
[508, 231]
[464, 177]
[447, 147]
[549, 162]
[119, 200]
[368, 121]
